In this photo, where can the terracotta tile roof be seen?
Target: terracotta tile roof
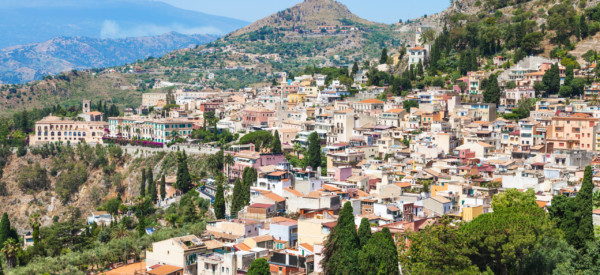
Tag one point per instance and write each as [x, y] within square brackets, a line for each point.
[242, 247]
[395, 111]
[417, 48]
[273, 196]
[294, 192]
[260, 205]
[164, 270]
[307, 247]
[263, 238]
[371, 101]
[330, 187]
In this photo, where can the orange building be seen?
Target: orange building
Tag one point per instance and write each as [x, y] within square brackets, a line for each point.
[577, 131]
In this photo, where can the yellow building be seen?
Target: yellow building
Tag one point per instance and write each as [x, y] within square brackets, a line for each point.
[314, 230]
[471, 212]
[296, 98]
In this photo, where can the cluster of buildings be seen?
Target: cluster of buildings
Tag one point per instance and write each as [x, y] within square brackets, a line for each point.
[401, 168]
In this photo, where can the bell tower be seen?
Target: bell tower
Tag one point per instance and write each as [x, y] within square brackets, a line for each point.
[87, 106]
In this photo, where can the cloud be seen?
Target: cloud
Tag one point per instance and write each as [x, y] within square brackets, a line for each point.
[111, 29]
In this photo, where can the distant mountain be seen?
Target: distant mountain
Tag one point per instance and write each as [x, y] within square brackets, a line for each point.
[19, 64]
[310, 14]
[32, 21]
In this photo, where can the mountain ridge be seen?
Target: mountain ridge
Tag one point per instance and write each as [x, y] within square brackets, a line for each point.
[24, 63]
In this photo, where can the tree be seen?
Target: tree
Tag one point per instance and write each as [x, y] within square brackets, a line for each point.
[379, 255]
[439, 249]
[184, 181]
[505, 238]
[583, 27]
[342, 245]
[364, 231]
[249, 176]
[229, 161]
[354, 69]
[112, 206]
[492, 92]
[583, 204]
[384, 56]
[551, 79]
[6, 231]
[314, 151]
[152, 194]
[33, 179]
[237, 200]
[276, 144]
[259, 266]
[531, 42]
[260, 139]
[163, 191]
[569, 75]
[219, 204]
[143, 184]
[409, 104]
[11, 249]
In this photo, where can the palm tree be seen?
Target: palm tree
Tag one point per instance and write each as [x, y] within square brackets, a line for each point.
[212, 164]
[10, 251]
[120, 231]
[229, 161]
[297, 148]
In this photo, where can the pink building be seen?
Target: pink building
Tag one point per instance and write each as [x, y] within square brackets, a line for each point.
[256, 117]
[254, 160]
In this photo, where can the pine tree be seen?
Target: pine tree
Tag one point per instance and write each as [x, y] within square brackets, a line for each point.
[492, 92]
[314, 151]
[219, 204]
[184, 181]
[143, 183]
[342, 245]
[163, 190]
[276, 144]
[151, 186]
[384, 56]
[364, 231]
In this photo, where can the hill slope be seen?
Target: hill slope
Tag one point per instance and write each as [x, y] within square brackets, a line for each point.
[29, 62]
[311, 14]
[32, 21]
[313, 33]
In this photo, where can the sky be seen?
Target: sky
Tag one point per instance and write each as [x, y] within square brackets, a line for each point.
[383, 11]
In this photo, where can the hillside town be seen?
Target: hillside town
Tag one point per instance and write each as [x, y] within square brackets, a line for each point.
[401, 162]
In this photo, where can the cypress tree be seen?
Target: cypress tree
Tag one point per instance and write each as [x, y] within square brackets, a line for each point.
[249, 176]
[342, 245]
[583, 26]
[151, 186]
[219, 204]
[384, 56]
[364, 231]
[492, 92]
[354, 68]
[276, 144]
[583, 210]
[314, 151]
[379, 255]
[6, 232]
[569, 75]
[184, 181]
[237, 200]
[163, 190]
[143, 183]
